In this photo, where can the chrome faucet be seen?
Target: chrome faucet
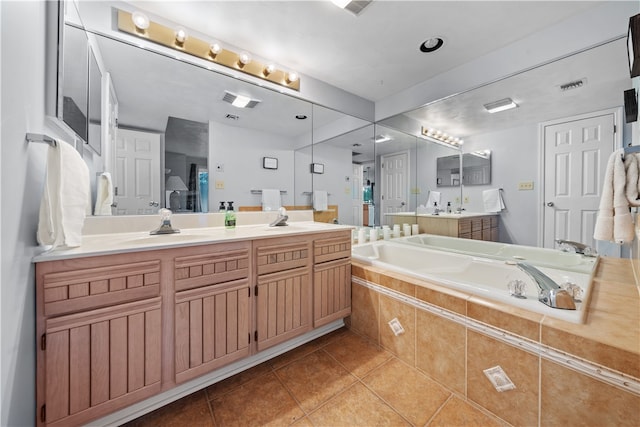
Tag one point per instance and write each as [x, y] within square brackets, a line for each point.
[579, 248]
[282, 218]
[551, 293]
[165, 224]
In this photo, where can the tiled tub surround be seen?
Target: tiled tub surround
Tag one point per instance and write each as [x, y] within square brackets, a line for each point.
[474, 275]
[564, 373]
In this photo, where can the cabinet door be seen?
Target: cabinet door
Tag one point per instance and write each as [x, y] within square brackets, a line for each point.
[283, 306]
[331, 291]
[99, 362]
[212, 328]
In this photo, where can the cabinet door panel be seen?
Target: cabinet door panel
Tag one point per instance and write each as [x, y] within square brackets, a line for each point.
[283, 306]
[331, 291]
[90, 360]
[211, 328]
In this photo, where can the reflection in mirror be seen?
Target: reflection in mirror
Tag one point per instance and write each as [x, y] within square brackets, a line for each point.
[75, 80]
[588, 83]
[180, 116]
[476, 169]
[343, 144]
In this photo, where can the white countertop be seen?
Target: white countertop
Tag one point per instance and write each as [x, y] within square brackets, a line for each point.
[114, 243]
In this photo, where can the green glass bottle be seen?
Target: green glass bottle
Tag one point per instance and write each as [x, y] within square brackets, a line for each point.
[230, 217]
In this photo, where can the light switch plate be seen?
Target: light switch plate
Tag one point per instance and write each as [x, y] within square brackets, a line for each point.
[525, 185]
[219, 185]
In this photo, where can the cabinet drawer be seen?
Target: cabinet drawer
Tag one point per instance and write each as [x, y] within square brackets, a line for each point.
[286, 256]
[208, 269]
[85, 289]
[464, 227]
[101, 361]
[331, 249]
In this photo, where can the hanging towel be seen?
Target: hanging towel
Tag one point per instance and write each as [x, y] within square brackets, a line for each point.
[434, 197]
[614, 222]
[66, 199]
[320, 200]
[104, 195]
[493, 201]
[271, 200]
[632, 186]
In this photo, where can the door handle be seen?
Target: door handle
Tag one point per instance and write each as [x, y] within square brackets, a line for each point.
[154, 204]
[402, 203]
[550, 204]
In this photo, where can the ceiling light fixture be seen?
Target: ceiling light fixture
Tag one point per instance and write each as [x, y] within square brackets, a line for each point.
[501, 105]
[431, 45]
[441, 138]
[381, 138]
[354, 6]
[138, 25]
[301, 116]
[239, 101]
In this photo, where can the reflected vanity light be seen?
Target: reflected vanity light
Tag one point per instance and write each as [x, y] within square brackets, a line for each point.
[440, 137]
[210, 50]
[501, 105]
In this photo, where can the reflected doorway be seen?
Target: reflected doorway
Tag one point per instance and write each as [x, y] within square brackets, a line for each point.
[395, 184]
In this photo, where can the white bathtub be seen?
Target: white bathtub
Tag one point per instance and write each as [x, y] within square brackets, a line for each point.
[474, 275]
[539, 257]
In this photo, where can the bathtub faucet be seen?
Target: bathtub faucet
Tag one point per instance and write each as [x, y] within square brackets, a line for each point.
[579, 248]
[550, 292]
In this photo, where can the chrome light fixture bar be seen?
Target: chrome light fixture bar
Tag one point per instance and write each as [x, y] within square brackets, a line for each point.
[501, 105]
[137, 24]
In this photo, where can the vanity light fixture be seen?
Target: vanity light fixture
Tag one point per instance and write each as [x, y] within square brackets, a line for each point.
[501, 105]
[440, 137]
[212, 51]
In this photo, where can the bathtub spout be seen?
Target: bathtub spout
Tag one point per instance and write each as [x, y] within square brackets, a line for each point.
[550, 292]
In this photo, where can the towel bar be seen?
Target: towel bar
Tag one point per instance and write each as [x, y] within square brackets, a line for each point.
[38, 137]
[260, 191]
[310, 193]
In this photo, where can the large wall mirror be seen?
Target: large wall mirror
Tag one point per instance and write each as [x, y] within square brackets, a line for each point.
[560, 91]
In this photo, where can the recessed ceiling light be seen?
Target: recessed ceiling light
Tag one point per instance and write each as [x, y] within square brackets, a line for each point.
[501, 105]
[301, 116]
[431, 45]
[357, 144]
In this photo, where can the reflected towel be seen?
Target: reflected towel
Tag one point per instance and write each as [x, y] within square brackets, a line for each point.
[614, 222]
[271, 200]
[66, 199]
[433, 199]
[493, 201]
[104, 195]
[632, 186]
[320, 200]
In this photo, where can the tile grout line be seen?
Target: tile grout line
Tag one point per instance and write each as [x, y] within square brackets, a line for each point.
[439, 410]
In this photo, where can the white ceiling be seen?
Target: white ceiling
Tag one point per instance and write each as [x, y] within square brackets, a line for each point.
[375, 54]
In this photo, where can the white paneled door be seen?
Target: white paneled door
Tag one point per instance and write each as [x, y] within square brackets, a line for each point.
[395, 185]
[356, 195]
[575, 158]
[137, 175]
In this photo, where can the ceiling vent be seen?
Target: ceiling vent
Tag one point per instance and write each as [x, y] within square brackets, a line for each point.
[239, 100]
[573, 85]
[357, 6]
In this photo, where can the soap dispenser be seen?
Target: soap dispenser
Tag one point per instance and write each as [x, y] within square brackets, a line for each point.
[448, 207]
[221, 208]
[230, 217]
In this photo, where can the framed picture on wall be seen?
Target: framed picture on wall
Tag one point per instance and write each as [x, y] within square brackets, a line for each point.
[269, 163]
[317, 168]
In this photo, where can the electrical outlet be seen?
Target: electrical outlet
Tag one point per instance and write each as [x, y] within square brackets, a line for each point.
[219, 185]
[219, 167]
[347, 190]
[525, 185]
[415, 190]
[466, 199]
[458, 200]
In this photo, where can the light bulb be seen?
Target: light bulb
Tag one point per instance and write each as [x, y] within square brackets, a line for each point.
[215, 48]
[181, 35]
[140, 21]
[268, 69]
[243, 59]
[292, 77]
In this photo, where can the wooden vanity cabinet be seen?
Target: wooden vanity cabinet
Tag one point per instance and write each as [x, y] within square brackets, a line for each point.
[283, 289]
[99, 329]
[331, 279]
[481, 227]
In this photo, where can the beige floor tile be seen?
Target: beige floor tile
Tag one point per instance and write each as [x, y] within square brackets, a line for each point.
[408, 391]
[235, 381]
[261, 401]
[314, 379]
[459, 413]
[295, 354]
[356, 406]
[358, 354]
[192, 410]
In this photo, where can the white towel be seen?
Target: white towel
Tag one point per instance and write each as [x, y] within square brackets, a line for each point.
[271, 200]
[434, 197]
[614, 222]
[66, 199]
[493, 201]
[632, 186]
[104, 195]
[320, 200]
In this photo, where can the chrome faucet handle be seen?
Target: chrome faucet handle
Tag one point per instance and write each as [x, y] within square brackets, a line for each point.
[577, 247]
[165, 223]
